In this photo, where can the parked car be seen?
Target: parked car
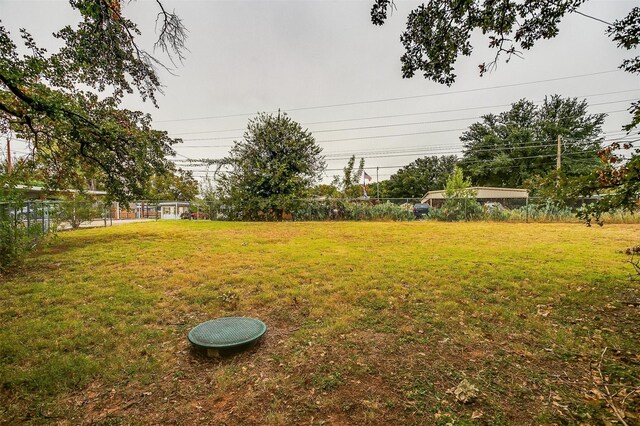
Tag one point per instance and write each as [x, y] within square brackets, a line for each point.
[494, 206]
[421, 210]
[194, 215]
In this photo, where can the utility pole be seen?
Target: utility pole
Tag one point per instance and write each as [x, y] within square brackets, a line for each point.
[378, 182]
[8, 155]
[559, 159]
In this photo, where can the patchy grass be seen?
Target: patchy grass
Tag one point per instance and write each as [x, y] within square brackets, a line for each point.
[369, 323]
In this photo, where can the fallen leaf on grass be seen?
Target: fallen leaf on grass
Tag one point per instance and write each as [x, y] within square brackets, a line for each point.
[465, 392]
[477, 414]
[543, 310]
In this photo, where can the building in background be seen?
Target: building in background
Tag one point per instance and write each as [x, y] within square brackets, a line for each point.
[484, 194]
[173, 209]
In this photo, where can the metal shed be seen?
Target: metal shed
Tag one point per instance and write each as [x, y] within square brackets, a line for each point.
[482, 193]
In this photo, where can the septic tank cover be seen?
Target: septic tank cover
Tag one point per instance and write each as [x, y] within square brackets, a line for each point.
[227, 332]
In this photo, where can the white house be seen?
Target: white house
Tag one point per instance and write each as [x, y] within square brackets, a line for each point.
[172, 209]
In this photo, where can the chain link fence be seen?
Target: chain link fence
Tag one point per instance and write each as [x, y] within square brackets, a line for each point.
[531, 209]
[61, 215]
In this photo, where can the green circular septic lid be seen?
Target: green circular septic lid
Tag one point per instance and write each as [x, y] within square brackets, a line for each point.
[227, 332]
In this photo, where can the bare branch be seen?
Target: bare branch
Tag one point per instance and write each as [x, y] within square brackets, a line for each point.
[173, 34]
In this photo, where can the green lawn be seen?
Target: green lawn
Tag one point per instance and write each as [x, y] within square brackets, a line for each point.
[369, 323]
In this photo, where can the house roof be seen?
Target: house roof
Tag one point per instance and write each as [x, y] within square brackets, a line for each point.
[37, 190]
[173, 203]
[482, 192]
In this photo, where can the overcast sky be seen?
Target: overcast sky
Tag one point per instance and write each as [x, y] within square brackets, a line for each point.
[250, 56]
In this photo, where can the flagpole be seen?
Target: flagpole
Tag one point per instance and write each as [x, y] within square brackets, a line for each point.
[364, 185]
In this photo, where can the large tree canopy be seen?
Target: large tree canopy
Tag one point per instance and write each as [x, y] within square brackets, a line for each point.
[422, 175]
[520, 144]
[173, 185]
[270, 169]
[50, 99]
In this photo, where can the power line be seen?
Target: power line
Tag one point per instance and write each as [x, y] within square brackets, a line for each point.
[420, 122]
[593, 17]
[402, 97]
[401, 166]
[354, 138]
[404, 153]
[418, 147]
[440, 149]
[472, 162]
[570, 154]
[416, 123]
[426, 151]
[348, 129]
[338, 140]
[473, 108]
[420, 113]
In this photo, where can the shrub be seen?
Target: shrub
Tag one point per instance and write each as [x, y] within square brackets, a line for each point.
[17, 234]
[549, 211]
[351, 210]
[496, 212]
[460, 202]
[384, 211]
[77, 211]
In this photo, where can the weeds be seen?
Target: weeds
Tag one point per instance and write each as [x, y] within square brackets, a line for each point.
[348, 210]
[230, 300]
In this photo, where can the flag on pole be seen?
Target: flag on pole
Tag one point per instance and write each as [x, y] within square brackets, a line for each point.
[364, 184]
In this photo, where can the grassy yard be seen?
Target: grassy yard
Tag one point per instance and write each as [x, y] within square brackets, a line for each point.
[369, 323]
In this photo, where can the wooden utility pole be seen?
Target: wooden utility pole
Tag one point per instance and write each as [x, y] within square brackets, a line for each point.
[378, 182]
[559, 159]
[8, 155]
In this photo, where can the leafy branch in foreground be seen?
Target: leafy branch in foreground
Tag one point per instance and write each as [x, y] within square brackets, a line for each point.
[617, 183]
[73, 134]
[438, 32]
[633, 252]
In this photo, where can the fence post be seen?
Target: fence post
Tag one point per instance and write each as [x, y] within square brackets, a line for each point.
[526, 210]
[15, 223]
[465, 209]
[28, 214]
